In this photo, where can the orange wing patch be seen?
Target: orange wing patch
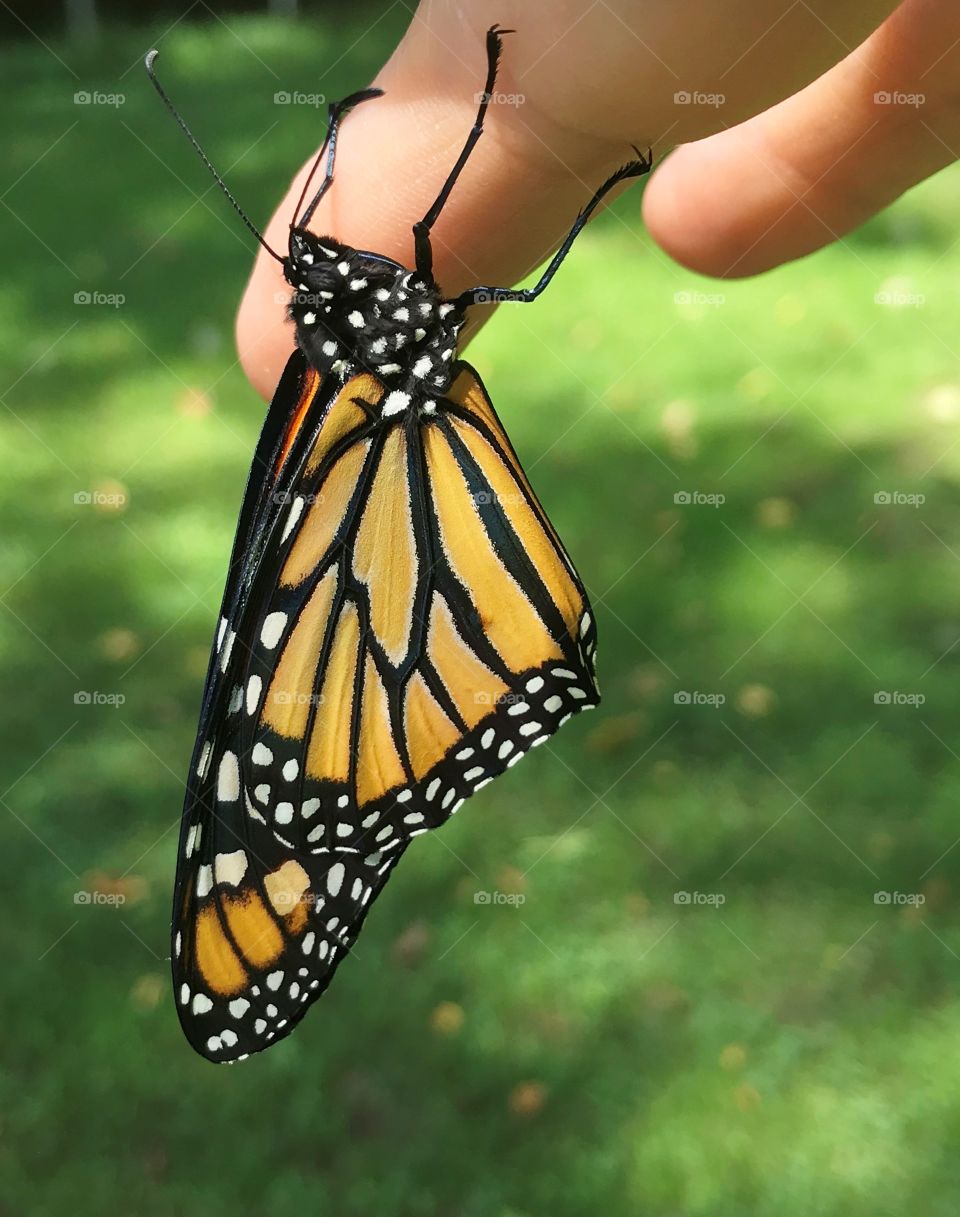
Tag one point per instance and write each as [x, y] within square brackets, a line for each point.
[343, 416]
[252, 927]
[217, 961]
[473, 687]
[288, 701]
[324, 517]
[467, 392]
[509, 619]
[526, 524]
[385, 555]
[379, 768]
[308, 391]
[430, 734]
[328, 755]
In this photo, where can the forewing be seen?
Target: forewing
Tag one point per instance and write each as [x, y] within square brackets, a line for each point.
[413, 626]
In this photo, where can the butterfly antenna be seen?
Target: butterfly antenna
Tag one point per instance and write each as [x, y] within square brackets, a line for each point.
[148, 64]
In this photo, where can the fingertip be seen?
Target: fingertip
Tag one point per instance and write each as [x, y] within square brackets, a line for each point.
[703, 209]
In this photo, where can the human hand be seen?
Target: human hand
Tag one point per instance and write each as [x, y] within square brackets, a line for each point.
[797, 123]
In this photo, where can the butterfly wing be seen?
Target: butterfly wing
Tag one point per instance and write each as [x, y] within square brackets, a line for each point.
[411, 628]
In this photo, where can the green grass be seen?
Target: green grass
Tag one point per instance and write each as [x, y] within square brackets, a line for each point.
[601, 1048]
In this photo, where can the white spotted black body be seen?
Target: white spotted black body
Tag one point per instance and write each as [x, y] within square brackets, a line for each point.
[360, 312]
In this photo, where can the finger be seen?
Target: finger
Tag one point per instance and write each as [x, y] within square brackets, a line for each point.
[814, 167]
[512, 204]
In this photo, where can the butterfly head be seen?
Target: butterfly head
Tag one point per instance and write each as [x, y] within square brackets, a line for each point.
[360, 312]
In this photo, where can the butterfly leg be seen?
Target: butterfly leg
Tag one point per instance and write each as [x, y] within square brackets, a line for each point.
[421, 230]
[486, 295]
[337, 112]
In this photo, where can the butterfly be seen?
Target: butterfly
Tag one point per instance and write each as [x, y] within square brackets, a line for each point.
[400, 624]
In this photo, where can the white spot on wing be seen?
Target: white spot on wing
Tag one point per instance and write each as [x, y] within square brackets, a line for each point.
[272, 629]
[230, 868]
[335, 877]
[227, 650]
[296, 510]
[228, 778]
[204, 881]
[204, 761]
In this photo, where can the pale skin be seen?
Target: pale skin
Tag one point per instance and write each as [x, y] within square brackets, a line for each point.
[798, 152]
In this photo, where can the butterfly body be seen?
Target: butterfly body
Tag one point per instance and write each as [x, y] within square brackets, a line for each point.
[359, 311]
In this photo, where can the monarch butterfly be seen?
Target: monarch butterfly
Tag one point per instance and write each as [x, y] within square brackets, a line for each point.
[400, 624]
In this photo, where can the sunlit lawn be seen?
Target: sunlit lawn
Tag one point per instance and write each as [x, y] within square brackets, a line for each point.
[780, 1044]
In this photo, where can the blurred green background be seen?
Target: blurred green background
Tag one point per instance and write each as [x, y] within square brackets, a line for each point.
[777, 741]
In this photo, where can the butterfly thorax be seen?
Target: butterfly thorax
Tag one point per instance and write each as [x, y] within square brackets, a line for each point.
[358, 312]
